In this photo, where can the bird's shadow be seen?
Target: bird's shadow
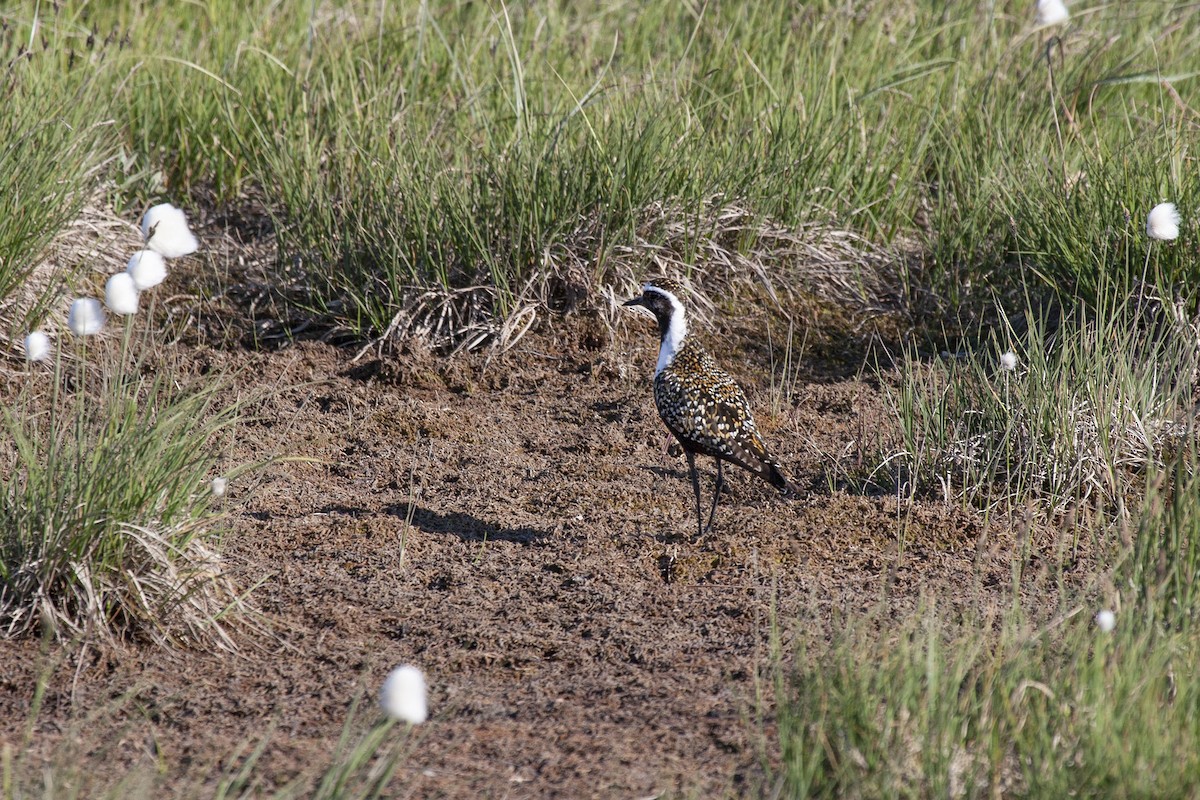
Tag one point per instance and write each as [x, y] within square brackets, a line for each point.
[615, 411]
[666, 472]
[464, 526]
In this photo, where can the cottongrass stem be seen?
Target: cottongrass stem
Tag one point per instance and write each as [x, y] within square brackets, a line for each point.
[1162, 223]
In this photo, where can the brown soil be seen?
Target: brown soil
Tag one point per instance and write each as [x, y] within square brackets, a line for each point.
[514, 526]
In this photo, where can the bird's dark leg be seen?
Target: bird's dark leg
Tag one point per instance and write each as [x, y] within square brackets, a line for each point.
[691, 459]
[716, 495]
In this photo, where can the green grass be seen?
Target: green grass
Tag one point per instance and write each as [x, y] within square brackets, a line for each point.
[434, 167]
[1032, 701]
[108, 527]
[52, 151]
[404, 147]
[1100, 397]
[495, 175]
[1049, 710]
[362, 765]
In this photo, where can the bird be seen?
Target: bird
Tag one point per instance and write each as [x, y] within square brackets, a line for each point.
[700, 403]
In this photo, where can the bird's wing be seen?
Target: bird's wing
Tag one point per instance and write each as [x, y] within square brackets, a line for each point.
[707, 411]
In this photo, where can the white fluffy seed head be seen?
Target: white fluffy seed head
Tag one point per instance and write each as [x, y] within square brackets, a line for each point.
[1163, 222]
[402, 696]
[121, 294]
[1008, 361]
[1052, 12]
[166, 231]
[86, 317]
[1106, 620]
[37, 346]
[219, 485]
[147, 268]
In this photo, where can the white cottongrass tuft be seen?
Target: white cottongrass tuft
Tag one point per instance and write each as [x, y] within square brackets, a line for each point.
[1163, 222]
[166, 231]
[147, 269]
[1052, 12]
[86, 317]
[402, 696]
[219, 485]
[1008, 361]
[37, 346]
[1106, 621]
[121, 294]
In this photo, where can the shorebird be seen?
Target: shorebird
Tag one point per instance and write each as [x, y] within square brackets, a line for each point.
[700, 403]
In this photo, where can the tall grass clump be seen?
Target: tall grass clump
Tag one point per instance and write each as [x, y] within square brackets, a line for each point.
[52, 150]
[475, 150]
[1061, 407]
[1045, 170]
[1162, 576]
[1032, 710]
[439, 165]
[1044, 700]
[106, 528]
[498, 153]
[106, 517]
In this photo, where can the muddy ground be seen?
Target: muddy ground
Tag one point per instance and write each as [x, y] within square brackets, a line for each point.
[512, 524]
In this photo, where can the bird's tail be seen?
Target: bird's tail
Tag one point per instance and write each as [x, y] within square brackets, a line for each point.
[773, 474]
[756, 459]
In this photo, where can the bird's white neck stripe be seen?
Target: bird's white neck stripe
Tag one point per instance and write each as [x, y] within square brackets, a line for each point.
[676, 330]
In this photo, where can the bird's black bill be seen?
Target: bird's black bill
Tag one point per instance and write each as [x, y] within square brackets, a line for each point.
[637, 301]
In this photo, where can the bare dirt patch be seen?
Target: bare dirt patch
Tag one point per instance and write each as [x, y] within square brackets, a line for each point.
[514, 526]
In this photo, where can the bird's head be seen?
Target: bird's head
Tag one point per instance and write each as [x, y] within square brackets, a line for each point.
[663, 298]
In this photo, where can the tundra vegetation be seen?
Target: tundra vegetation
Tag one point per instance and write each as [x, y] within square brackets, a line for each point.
[950, 200]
